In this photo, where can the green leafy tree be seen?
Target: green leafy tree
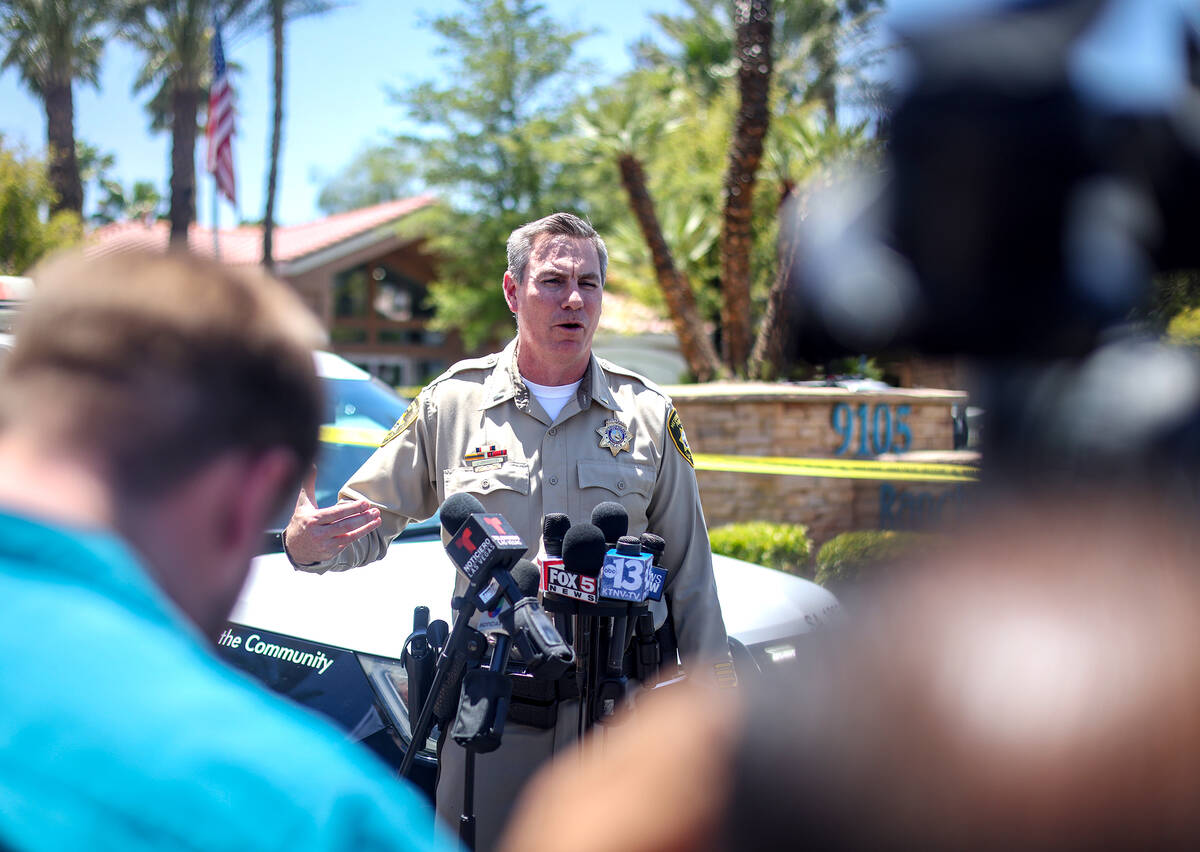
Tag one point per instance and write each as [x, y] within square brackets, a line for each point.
[737, 71]
[51, 44]
[142, 202]
[494, 144]
[623, 124]
[377, 173]
[26, 234]
[174, 38]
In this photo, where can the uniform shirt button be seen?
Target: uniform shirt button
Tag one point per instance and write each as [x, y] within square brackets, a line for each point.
[554, 480]
[553, 430]
[485, 485]
[621, 484]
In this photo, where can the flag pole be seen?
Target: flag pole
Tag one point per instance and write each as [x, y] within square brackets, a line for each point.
[216, 236]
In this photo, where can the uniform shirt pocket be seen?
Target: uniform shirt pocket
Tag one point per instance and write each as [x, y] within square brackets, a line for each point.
[511, 477]
[631, 485]
[622, 480]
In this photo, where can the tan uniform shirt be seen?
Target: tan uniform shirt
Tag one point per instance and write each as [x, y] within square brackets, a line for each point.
[478, 429]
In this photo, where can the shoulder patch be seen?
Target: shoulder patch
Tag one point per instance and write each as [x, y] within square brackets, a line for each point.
[675, 427]
[406, 419]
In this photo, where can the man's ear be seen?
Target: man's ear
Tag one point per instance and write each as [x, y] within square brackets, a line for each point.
[255, 496]
[510, 291]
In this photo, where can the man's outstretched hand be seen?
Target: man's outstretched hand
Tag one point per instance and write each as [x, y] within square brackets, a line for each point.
[317, 535]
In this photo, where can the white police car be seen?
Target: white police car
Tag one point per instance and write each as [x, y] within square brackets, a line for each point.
[333, 641]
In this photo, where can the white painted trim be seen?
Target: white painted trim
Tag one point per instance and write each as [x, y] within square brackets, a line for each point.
[322, 257]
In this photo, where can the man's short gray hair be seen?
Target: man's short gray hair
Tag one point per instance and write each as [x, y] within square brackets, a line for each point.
[520, 242]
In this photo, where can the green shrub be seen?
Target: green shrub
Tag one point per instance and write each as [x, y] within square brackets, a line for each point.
[851, 558]
[1184, 327]
[785, 547]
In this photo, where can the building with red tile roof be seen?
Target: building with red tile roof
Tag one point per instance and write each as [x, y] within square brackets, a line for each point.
[363, 275]
[366, 278]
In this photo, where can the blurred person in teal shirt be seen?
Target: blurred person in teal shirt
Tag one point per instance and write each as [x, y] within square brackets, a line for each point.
[135, 483]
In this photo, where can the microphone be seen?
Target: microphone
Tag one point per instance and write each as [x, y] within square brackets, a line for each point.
[656, 546]
[612, 519]
[625, 572]
[483, 545]
[624, 577]
[456, 509]
[583, 557]
[486, 693]
[525, 576]
[541, 647]
[554, 527]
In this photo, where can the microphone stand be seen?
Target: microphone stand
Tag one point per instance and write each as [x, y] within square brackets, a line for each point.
[420, 730]
[466, 821]
[598, 685]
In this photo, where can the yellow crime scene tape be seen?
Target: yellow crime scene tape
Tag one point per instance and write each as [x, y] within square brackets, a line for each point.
[839, 468]
[358, 436]
[823, 467]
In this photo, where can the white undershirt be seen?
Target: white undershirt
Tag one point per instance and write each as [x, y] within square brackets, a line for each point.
[552, 397]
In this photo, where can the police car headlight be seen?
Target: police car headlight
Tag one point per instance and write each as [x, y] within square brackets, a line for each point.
[780, 653]
[390, 681]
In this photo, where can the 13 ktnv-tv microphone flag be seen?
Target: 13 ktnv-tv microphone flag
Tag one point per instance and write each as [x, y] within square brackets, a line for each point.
[626, 573]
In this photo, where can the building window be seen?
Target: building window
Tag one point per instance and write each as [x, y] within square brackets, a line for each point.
[398, 297]
[350, 293]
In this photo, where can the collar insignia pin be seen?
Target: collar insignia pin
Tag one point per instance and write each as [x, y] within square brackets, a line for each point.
[614, 436]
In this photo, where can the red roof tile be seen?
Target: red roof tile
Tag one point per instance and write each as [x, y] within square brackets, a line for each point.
[243, 245]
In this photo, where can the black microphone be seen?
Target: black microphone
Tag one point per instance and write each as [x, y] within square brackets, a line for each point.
[583, 558]
[612, 519]
[656, 546]
[545, 654]
[483, 545]
[554, 527]
[649, 656]
[486, 693]
[456, 509]
[437, 633]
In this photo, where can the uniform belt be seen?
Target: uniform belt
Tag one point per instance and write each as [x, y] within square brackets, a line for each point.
[535, 702]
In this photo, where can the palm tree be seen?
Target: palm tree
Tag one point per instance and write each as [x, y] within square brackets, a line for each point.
[279, 11]
[174, 37]
[53, 43]
[621, 126]
[754, 28]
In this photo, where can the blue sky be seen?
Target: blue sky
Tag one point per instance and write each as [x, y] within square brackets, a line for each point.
[338, 66]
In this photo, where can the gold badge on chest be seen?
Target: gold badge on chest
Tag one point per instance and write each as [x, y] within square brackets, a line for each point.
[614, 436]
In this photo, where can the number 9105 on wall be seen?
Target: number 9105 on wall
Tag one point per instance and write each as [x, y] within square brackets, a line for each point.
[871, 430]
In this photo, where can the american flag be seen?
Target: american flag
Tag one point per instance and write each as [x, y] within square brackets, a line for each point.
[220, 122]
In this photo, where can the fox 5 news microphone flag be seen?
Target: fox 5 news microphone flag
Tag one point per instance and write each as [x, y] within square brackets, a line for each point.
[220, 130]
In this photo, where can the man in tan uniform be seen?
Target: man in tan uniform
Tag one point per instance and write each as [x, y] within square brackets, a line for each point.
[541, 427]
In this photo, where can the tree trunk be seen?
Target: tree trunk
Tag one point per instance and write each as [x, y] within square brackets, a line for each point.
[697, 349]
[185, 103]
[63, 169]
[754, 32]
[767, 357]
[268, 258]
